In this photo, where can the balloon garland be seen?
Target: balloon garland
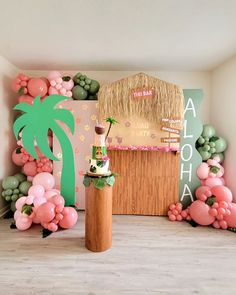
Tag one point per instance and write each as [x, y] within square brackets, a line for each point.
[214, 201]
[32, 203]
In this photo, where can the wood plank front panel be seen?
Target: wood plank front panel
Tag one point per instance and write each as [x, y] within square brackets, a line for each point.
[148, 181]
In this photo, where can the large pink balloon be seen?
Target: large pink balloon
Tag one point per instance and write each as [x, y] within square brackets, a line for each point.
[222, 193]
[26, 98]
[199, 212]
[45, 179]
[36, 191]
[17, 158]
[70, 217]
[30, 168]
[231, 219]
[45, 212]
[37, 86]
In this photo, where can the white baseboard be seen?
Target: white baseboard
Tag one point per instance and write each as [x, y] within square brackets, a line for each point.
[4, 210]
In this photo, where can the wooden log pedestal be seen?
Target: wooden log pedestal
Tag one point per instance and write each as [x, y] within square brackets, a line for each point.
[98, 218]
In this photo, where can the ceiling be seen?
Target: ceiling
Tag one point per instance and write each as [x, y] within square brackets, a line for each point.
[191, 35]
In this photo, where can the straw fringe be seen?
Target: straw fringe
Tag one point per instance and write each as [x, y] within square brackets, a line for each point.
[115, 100]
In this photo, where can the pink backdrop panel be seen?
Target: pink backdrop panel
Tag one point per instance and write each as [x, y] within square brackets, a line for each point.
[85, 114]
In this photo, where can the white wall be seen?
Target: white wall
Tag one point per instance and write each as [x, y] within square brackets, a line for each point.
[7, 101]
[187, 80]
[223, 114]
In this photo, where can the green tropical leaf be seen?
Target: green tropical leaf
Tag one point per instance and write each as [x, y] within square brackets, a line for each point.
[87, 181]
[99, 183]
[20, 123]
[53, 100]
[66, 117]
[24, 107]
[111, 120]
[110, 180]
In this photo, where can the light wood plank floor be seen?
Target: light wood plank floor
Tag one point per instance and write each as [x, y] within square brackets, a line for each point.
[150, 255]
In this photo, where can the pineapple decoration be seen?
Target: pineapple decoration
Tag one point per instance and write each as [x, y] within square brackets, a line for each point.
[85, 88]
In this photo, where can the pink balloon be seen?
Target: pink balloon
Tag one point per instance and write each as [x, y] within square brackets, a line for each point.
[20, 203]
[202, 193]
[213, 212]
[45, 179]
[59, 202]
[16, 214]
[46, 81]
[50, 193]
[172, 217]
[23, 222]
[39, 201]
[53, 75]
[199, 212]
[45, 212]
[37, 86]
[222, 193]
[202, 171]
[53, 90]
[30, 168]
[70, 217]
[26, 98]
[68, 85]
[36, 190]
[223, 224]
[231, 219]
[17, 158]
[213, 181]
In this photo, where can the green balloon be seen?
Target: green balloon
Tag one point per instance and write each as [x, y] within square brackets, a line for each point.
[79, 92]
[94, 87]
[16, 191]
[211, 144]
[8, 192]
[82, 83]
[208, 131]
[8, 198]
[86, 87]
[88, 81]
[13, 206]
[82, 77]
[220, 155]
[10, 182]
[220, 145]
[204, 154]
[21, 177]
[3, 194]
[92, 97]
[14, 197]
[212, 150]
[24, 187]
[206, 148]
[201, 140]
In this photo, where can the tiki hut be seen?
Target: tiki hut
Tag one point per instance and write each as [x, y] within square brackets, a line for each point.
[150, 112]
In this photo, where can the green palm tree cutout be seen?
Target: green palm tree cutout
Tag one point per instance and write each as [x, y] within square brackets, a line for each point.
[34, 124]
[111, 122]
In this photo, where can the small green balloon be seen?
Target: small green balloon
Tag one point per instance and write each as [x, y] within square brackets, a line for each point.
[13, 206]
[201, 140]
[21, 177]
[16, 191]
[211, 144]
[82, 83]
[204, 154]
[88, 81]
[206, 139]
[8, 192]
[8, 198]
[212, 150]
[79, 92]
[10, 182]
[94, 87]
[24, 187]
[14, 197]
[86, 87]
[3, 193]
[82, 77]
[206, 148]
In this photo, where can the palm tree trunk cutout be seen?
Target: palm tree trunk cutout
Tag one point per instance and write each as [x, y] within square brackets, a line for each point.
[111, 122]
[68, 166]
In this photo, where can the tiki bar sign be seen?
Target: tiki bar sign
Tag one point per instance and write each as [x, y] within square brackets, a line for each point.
[143, 93]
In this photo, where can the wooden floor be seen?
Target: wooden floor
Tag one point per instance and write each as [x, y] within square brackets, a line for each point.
[150, 255]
